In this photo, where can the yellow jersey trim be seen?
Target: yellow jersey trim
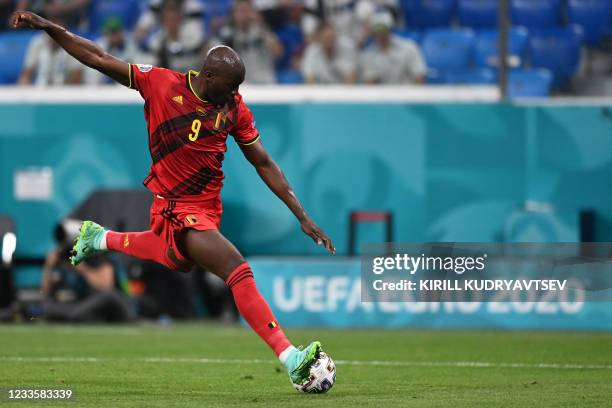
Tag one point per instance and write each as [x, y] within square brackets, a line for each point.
[191, 86]
[253, 142]
[130, 76]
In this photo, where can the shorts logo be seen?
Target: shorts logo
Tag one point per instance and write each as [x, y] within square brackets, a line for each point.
[126, 241]
[178, 99]
[144, 67]
[200, 111]
[191, 219]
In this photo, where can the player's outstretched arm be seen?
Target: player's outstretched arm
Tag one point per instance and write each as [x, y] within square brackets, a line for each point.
[274, 178]
[87, 52]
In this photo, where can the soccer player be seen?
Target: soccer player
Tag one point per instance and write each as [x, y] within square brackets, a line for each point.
[189, 117]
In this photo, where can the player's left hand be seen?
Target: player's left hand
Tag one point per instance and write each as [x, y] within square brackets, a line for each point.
[27, 19]
[313, 231]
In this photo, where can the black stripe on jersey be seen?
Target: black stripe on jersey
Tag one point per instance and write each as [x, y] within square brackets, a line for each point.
[172, 134]
[196, 183]
[169, 137]
[132, 79]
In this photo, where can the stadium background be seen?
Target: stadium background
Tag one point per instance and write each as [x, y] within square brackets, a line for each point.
[451, 160]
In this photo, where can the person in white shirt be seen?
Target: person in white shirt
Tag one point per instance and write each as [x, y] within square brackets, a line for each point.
[258, 47]
[391, 59]
[173, 45]
[330, 59]
[115, 41]
[47, 64]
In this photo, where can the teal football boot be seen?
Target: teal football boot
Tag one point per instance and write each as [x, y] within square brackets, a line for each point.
[299, 361]
[88, 242]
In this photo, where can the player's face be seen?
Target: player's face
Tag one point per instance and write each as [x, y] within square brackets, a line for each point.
[220, 89]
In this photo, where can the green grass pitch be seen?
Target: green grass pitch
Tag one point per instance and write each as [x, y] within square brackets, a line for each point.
[205, 365]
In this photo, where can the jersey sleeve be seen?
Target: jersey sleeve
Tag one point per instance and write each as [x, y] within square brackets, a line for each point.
[146, 79]
[245, 132]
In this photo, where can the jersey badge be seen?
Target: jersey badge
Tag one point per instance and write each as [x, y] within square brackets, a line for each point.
[144, 67]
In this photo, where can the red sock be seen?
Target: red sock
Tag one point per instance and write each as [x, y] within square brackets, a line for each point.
[143, 245]
[254, 309]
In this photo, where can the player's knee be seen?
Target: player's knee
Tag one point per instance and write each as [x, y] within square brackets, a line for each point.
[231, 265]
[241, 273]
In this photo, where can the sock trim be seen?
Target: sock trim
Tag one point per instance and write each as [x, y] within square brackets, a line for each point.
[102, 244]
[241, 272]
[284, 355]
[241, 278]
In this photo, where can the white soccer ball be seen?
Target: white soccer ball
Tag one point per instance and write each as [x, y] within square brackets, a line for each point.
[322, 376]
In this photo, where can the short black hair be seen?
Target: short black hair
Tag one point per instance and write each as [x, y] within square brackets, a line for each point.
[224, 61]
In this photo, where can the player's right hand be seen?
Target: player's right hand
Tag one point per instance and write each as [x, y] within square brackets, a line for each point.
[27, 19]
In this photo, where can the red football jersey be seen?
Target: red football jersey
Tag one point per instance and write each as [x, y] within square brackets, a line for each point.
[187, 135]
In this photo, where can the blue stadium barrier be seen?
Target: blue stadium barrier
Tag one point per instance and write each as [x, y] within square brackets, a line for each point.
[428, 13]
[446, 49]
[486, 50]
[475, 76]
[413, 35]
[101, 10]
[529, 83]
[594, 16]
[556, 49]
[13, 47]
[536, 13]
[315, 292]
[289, 77]
[477, 13]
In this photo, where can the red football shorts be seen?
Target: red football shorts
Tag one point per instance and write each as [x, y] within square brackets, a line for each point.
[169, 216]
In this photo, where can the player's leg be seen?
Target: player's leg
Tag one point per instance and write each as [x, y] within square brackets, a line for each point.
[143, 245]
[212, 251]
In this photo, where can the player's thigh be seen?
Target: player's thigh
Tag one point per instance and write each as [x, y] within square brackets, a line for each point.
[210, 250]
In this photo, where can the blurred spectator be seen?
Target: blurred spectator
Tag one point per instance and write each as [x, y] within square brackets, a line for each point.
[391, 59]
[85, 293]
[274, 12]
[347, 16]
[340, 13]
[72, 12]
[116, 42]
[173, 45]
[330, 59]
[6, 9]
[258, 47]
[192, 19]
[46, 63]
[291, 38]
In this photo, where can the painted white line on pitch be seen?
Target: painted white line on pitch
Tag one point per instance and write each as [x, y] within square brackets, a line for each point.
[93, 331]
[170, 360]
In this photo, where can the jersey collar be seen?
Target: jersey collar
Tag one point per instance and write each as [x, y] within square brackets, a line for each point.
[189, 74]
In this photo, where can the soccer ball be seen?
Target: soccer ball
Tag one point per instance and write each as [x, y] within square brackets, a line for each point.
[322, 376]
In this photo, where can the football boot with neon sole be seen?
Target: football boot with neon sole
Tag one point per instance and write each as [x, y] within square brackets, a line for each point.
[87, 242]
[299, 361]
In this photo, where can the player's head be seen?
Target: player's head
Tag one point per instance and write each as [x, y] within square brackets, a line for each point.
[223, 71]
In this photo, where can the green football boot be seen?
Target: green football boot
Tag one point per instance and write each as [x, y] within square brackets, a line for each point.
[299, 361]
[87, 243]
